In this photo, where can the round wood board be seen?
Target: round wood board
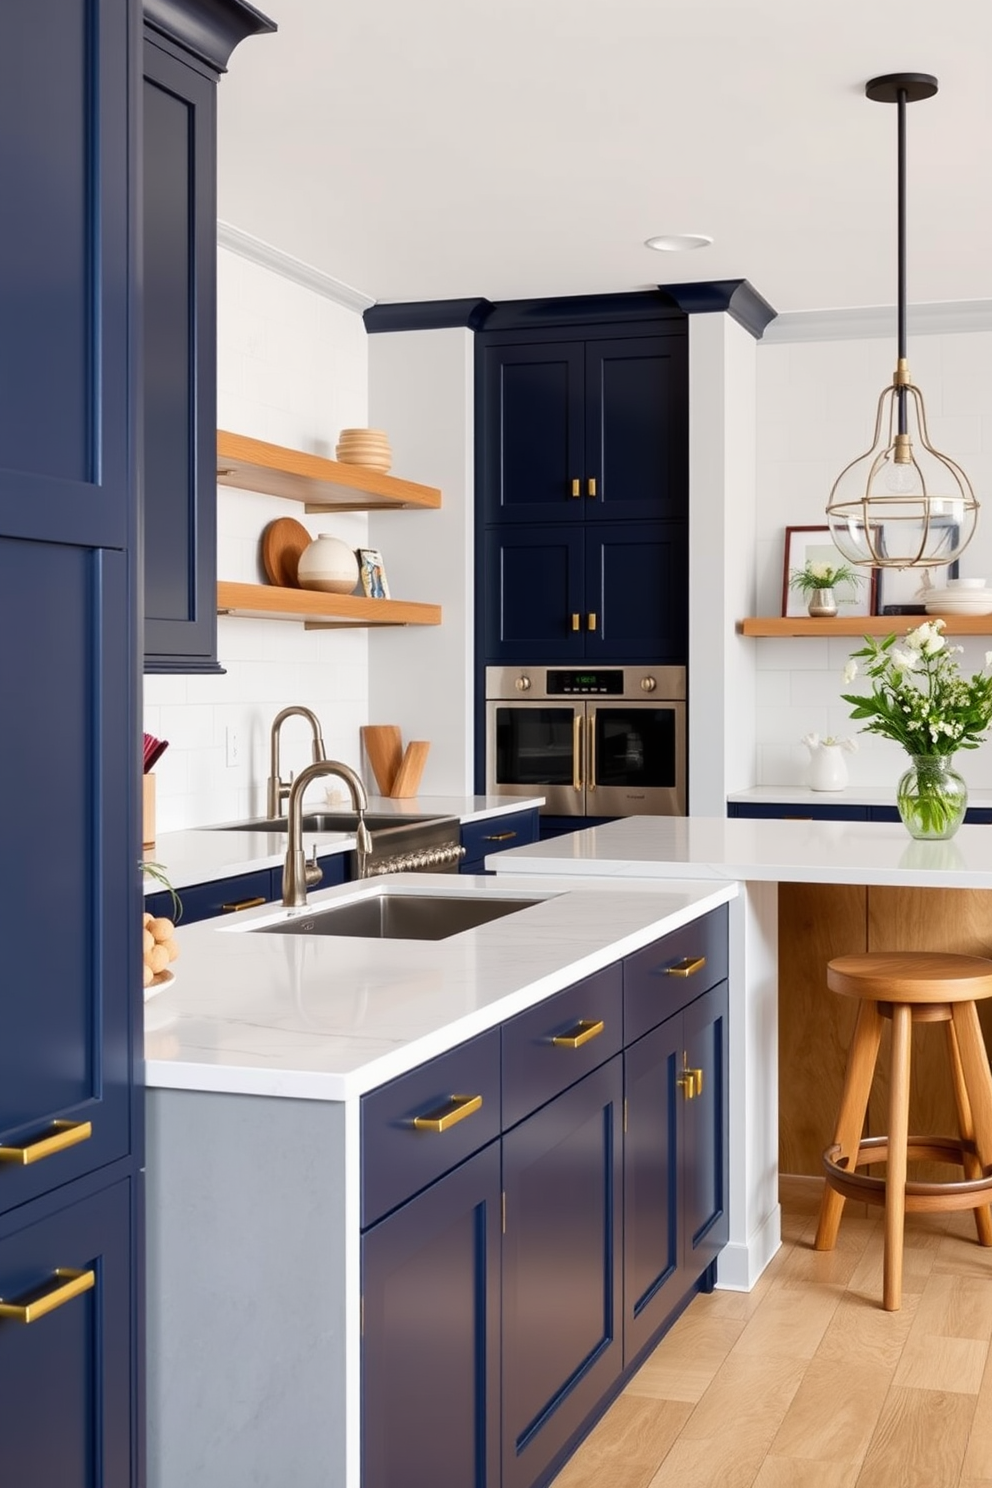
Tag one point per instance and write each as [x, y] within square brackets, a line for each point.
[282, 543]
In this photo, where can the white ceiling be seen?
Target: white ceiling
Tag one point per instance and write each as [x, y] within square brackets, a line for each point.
[435, 149]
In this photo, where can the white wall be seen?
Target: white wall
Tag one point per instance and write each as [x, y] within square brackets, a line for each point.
[292, 369]
[815, 412]
[422, 389]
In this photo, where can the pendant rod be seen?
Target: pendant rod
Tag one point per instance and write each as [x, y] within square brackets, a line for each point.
[901, 250]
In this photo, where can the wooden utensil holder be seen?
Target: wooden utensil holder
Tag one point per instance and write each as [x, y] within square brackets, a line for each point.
[148, 811]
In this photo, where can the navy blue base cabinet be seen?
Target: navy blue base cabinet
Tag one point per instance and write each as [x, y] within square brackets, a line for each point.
[482, 838]
[836, 811]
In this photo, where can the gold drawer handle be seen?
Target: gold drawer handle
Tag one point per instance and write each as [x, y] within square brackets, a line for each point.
[61, 1134]
[575, 488]
[691, 1081]
[243, 904]
[687, 967]
[583, 1031]
[74, 1283]
[500, 837]
[591, 487]
[457, 1108]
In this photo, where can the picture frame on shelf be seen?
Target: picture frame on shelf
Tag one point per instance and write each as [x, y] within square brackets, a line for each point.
[903, 591]
[374, 584]
[815, 545]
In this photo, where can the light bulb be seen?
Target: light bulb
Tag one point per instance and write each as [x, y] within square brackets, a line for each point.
[900, 479]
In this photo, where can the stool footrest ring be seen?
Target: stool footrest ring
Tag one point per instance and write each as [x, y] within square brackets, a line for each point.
[969, 1193]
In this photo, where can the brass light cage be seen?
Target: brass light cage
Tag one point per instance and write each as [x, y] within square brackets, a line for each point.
[902, 504]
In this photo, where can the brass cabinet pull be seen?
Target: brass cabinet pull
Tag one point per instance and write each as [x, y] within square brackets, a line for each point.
[592, 750]
[577, 752]
[499, 837]
[457, 1108]
[687, 967]
[576, 488]
[576, 620]
[73, 1284]
[243, 904]
[691, 1083]
[591, 486]
[61, 1134]
[591, 620]
[583, 1031]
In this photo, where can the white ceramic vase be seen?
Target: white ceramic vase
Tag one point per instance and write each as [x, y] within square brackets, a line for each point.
[827, 767]
[328, 564]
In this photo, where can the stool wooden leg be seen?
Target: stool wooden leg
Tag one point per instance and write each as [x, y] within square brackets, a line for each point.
[851, 1117]
[895, 1172]
[978, 1080]
[971, 1164]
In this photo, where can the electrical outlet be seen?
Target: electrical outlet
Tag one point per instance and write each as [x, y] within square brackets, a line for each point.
[233, 748]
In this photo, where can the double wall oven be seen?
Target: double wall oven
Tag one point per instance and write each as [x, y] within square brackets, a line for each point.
[603, 741]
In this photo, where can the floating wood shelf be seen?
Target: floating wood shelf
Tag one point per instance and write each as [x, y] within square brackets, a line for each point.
[322, 485]
[319, 611]
[858, 625]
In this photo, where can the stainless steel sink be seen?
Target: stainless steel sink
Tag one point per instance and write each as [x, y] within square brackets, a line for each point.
[393, 916]
[326, 821]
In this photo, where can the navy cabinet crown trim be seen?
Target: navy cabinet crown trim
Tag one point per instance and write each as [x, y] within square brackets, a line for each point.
[210, 29]
[736, 296]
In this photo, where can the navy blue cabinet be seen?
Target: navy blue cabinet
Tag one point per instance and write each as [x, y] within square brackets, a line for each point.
[482, 838]
[837, 811]
[562, 1270]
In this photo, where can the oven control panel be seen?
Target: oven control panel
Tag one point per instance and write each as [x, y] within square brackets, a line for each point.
[609, 681]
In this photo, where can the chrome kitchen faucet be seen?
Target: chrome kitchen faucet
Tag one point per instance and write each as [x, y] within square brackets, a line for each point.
[277, 788]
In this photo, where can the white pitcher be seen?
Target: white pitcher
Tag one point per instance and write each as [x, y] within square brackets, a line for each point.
[827, 765]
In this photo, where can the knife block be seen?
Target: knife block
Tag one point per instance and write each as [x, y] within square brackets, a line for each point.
[148, 811]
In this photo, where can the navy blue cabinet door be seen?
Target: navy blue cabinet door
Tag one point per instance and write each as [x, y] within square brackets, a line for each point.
[636, 592]
[654, 1278]
[70, 909]
[430, 1347]
[66, 1373]
[707, 1171]
[637, 428]
[535, 593]
[532, 432]
[180, 420]
[562, 1270]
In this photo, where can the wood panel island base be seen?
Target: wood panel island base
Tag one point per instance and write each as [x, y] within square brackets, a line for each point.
[839, 886]
[418, 1208]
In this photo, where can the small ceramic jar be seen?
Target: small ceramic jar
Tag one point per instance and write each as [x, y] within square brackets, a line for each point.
[328, 564]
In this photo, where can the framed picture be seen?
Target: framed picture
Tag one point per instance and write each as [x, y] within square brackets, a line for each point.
[898, 587]
[815, 545]
[373, 573]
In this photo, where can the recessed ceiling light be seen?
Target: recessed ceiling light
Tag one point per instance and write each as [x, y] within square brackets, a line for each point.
[678, 242]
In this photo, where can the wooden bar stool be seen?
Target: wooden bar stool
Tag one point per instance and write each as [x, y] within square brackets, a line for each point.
[912, 987]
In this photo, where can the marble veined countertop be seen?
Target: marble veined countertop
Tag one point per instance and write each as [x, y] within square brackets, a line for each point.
[204, 854]
[770, 850]
[323, 1017]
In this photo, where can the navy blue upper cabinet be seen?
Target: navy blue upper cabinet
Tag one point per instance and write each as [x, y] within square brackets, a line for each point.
[581, 430]
[187, 44]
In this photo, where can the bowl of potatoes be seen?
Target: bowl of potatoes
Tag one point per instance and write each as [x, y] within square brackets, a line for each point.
[160, 948]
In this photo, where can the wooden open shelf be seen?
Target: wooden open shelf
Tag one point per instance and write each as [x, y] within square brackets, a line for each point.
[859, 625]
[319, 611]
[322, 485]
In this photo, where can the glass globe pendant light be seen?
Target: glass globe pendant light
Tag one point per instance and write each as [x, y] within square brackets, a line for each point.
[902, 504]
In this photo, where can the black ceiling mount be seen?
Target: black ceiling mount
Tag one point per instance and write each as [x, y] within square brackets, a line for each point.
[914, 85]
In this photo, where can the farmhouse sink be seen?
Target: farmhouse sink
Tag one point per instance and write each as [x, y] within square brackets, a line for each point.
[326, 821]
[386, 915]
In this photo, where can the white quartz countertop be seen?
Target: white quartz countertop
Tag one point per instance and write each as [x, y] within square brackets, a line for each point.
[203, 854]
[328, 1017]
[773, 850]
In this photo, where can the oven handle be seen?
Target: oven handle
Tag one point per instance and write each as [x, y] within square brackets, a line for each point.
[577, 751]
[592, 750]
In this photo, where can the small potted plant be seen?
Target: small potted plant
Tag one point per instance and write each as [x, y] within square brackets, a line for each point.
[816, 582]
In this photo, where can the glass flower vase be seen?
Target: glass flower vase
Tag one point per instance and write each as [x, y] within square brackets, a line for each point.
[932, 797]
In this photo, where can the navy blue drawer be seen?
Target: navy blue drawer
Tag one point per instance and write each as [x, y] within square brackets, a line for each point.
[226, 896]
[662, 978]
[479, 838]
[796, 811]
[399, 1158]
[535, 1067]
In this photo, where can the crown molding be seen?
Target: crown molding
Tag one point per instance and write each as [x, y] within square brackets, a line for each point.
[427, 315]
[736, 297]
[210, 29]
[284, 264]
[946, 317]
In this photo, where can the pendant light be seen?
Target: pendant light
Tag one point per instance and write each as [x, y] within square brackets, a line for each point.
[902, 504]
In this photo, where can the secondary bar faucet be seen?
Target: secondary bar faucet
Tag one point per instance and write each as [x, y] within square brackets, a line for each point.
[278, 790]
[298, 875]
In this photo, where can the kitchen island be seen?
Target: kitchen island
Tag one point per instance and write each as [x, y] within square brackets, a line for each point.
[761, 855]
[294, 1217]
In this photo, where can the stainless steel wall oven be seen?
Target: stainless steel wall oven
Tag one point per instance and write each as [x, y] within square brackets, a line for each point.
[595, 741]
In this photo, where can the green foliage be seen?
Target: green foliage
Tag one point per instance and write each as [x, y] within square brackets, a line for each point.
[156, 871]
[813, 576]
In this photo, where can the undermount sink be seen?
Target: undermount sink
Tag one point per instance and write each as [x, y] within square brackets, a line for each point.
[325, 821]
[386, 915]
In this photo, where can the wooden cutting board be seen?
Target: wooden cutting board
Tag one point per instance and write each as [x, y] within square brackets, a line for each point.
[407, 781]
[283, 541]
[384, 749]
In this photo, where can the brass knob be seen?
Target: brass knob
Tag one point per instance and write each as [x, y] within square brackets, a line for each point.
[648, 684]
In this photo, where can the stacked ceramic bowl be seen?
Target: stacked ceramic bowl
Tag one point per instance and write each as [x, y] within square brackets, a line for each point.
[369, 447]
[960, 597]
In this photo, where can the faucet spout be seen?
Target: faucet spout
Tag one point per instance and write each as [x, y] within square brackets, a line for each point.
[298, 875]
[277, 790]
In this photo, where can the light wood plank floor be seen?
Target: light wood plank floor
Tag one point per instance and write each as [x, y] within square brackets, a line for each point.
[806, 1382]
